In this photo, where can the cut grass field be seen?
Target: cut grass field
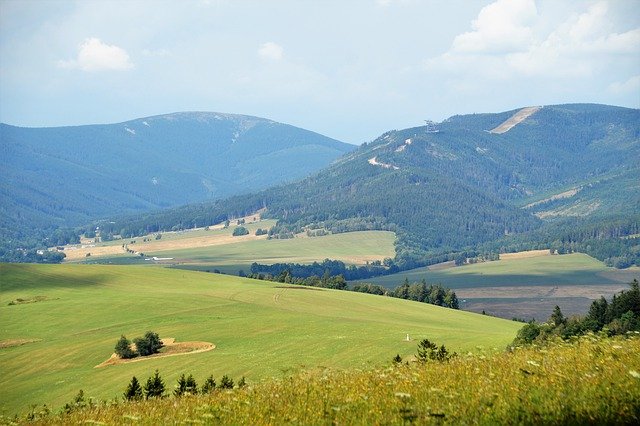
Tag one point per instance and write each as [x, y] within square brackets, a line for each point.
[525, 285]
[260, 329]
[350, 247]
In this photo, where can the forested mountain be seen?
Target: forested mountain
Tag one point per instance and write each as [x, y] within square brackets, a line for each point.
[565, 176]
[70, 175]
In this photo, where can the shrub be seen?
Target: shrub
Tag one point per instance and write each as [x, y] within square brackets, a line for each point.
[240, 230]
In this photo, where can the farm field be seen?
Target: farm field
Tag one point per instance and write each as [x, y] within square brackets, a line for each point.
[350, 247]
[260, 329]
[525, 285]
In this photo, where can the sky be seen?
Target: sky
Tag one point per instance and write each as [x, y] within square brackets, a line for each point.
[350, 70]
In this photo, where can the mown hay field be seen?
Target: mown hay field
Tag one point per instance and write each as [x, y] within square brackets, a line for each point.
[260, 329]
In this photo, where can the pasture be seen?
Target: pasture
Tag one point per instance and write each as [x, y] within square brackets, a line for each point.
[50, 347]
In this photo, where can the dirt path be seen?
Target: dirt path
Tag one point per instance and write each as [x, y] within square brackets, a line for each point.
[374, 162]
[171, 348]
[515, 119]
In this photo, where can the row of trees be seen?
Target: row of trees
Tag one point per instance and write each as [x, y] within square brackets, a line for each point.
[619, 316]
[434, 294]
[185, 385]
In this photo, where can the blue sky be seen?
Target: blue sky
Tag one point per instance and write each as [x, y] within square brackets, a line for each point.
[347, 69]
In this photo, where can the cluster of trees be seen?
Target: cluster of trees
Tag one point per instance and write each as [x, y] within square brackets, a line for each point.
[326, 267]
[147, 345]
[434, 294]
[186, 385]
[619, 316]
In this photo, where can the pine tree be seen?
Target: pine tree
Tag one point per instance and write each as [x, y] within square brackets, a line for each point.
[180, 386]
[209, 385]
[226, 382]
[242, 383]
[557, 318]
[134, 390]
[426, 350]
[191, 387]
[123, 348]
[154, 388]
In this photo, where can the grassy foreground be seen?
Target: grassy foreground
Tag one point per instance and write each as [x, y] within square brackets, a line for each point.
[589, 381]
[49, 347]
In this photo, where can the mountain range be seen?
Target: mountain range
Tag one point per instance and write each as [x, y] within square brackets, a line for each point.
[67, 176]
[480, 181]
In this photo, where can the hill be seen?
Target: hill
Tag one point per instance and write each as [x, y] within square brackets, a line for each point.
[456, 187]
[67, 176]
[70, 317]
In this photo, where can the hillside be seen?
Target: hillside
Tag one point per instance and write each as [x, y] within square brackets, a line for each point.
[67, 176]
[70, 317]
[456, 186]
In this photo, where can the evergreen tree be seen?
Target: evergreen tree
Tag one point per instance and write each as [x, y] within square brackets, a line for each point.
[557, 318]
[209, 385]
[123, 348]
[149, 344]
[191, 387]
[426, 349]
[226, 382]
[180, 386]
[154, 388]
[133, 391]
[242, 382]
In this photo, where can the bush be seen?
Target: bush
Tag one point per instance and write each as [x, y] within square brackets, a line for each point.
[240, 230]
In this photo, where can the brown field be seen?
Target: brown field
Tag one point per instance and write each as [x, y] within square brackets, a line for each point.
[515, 119]
[186, 243]
[80, 253]
[524, 254]
[9, 343]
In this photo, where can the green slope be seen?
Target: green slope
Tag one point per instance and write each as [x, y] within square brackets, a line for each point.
[260, 330]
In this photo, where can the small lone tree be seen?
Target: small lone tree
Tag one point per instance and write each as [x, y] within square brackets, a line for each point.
[209, 385]
[426, 348]
[123, 348]
[557, 318]
[186, 385]
[242, 382]
[226, 382]
[397, 359]
[133, 391]
[154, 388]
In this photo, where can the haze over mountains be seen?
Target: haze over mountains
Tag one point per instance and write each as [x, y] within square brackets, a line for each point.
[67, 176]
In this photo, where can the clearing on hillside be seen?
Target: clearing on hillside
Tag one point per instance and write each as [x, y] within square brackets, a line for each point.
[257, 335]
[515, 119]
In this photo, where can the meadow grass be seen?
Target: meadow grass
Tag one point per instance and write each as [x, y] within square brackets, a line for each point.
[568, 269]
[260, 329]
[591, 380]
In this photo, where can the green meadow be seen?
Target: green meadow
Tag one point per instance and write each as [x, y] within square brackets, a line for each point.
[570, 269]
[260, 329]
[350, 247]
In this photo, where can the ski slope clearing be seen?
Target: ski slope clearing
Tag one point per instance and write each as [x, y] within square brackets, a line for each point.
[515, 119]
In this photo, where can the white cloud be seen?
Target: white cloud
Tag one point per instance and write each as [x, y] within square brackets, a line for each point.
[502, 26]
[631, 86]
[271, 51]
[508, 41]
[94, 55]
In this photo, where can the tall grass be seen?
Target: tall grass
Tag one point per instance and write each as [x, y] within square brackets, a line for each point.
[591, 380]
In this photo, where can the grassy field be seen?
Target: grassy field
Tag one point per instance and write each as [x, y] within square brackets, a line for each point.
[260, 329]
[525, 287]
[590, 381]
[350, 247]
